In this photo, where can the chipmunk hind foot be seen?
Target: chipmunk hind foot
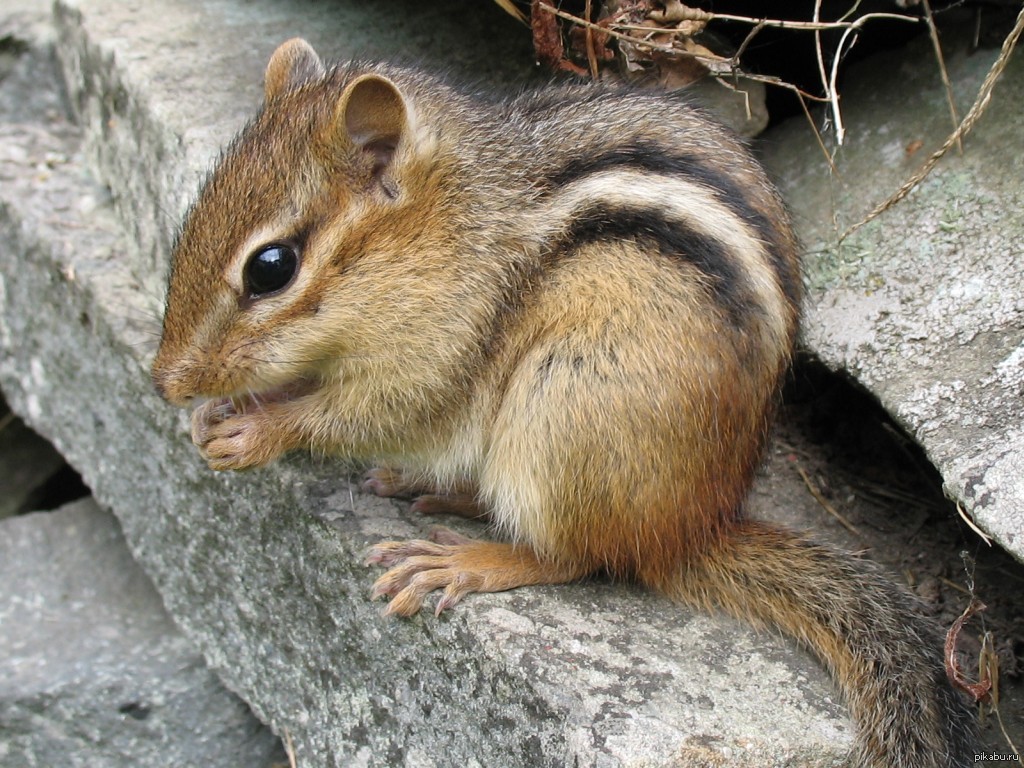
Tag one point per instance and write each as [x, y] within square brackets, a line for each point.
[459, 566]
[426, 498]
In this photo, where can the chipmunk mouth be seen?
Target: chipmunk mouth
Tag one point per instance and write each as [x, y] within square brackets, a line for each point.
[257, 399]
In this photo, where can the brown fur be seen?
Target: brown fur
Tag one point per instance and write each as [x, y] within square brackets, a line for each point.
[573, 311]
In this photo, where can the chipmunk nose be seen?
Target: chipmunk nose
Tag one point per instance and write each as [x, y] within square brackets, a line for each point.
[159, 379]
[158, 385]
[164, 382]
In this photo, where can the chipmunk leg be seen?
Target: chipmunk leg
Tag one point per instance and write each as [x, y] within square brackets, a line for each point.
[458, 565]
[426, 498]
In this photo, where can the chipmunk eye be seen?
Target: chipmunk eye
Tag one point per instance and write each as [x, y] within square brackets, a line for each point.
[270, 269]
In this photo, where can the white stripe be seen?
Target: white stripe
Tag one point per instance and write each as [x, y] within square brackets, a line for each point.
[688, 202]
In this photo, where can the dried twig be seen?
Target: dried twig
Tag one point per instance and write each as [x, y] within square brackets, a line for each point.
[591, 53]
[988, 660]
[824, 503]
[289, 749]
[620, 30]
[1009, 741]
[953, 585]
[509, 7]
[972, 117]
[933, 33]
[970, 524]
[820, 54]
[693, 14]
[718, 67]
[817, 134]
[830, 83]
[721, 67]
[748, 40]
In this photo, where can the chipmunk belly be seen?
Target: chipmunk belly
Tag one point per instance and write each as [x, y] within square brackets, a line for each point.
[631, 426]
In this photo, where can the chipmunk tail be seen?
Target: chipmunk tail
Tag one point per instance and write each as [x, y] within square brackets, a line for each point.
[884, 654]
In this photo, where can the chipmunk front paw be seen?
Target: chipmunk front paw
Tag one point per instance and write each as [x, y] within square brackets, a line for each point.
[228, 438]
[418, 567]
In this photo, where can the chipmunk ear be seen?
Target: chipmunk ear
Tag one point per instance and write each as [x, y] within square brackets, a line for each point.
[372, 114]
[292, 65]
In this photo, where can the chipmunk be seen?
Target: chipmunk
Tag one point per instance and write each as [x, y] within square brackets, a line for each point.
[570, 311]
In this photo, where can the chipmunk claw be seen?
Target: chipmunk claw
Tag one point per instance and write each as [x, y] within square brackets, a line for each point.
[419, 567]
[388, 553]
[459, 566]
[208, 415]
[463, 584]
[426, 499]
[229, 439]
[387, 483]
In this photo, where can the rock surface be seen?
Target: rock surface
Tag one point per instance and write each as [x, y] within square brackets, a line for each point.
[925, 305]
[93, 671]
[262, 570]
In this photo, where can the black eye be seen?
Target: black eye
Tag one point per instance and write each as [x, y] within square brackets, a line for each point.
[270, 269]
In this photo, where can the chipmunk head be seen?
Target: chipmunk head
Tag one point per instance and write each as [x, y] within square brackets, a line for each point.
[286, 261]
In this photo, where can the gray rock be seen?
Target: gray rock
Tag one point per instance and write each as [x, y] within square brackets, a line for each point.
[263, 570]
[925, 305]
[93, 671]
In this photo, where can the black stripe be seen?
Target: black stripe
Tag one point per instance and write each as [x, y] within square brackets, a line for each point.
[650, 157]
[671, 238]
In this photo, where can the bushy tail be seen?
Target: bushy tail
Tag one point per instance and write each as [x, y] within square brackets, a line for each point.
[885, 655]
